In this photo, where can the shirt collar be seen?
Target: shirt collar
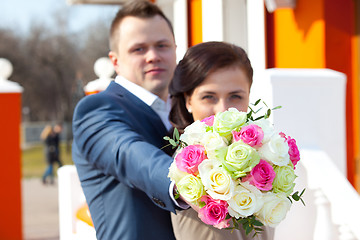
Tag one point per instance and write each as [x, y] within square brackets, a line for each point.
[143, 94]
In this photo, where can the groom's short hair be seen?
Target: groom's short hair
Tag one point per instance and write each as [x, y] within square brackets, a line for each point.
[137, 8]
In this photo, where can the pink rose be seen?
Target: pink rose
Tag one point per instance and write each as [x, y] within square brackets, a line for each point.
[293, 149]
[261, 176]
[189, 159]
[251, 134]
[214, 212]
[209, 120]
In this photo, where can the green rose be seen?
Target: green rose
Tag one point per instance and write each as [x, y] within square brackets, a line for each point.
[284, 179]
[240, 159]
[191, 188]
[225, 122]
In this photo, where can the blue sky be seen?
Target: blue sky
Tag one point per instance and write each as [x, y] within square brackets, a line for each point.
[18, 14]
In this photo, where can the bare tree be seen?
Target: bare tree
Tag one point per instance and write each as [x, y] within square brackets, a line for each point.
[53, 64]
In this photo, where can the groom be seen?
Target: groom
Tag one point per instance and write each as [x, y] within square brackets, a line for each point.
[118, 132]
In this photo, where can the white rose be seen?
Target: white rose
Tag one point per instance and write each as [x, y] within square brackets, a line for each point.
[276, 151]
[216, 180]
[267, 127]
[175, 174]
[274, 209]
[247, 200]
[193, 133]
[212, 141]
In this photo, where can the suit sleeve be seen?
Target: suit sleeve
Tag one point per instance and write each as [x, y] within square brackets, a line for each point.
[106, 140]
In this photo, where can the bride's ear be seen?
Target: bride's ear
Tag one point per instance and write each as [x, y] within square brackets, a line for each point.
[187, 103]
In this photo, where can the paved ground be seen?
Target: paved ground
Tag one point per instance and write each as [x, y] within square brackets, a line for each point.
[40, 210]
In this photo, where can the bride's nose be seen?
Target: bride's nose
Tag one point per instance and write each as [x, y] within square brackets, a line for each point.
[221, 106]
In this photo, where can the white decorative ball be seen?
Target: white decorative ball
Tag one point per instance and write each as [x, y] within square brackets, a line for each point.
[103, 68]
[6, 68]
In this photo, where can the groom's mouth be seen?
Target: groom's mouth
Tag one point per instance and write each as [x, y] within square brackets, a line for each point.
[155, 71]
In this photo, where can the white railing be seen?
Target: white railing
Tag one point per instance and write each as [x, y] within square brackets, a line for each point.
[313, 112]
[71, 199]
[332, 204]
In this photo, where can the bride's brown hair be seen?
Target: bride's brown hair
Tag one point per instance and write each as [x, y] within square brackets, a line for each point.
[199, 61]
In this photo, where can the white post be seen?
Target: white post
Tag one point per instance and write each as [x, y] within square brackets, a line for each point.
[180, 27]
[313, 108]
[212, 20]
[324, 227]
[104, 70]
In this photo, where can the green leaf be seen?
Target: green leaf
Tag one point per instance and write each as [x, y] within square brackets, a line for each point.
[177, 195]
[176, 134]
[265, 104]
[302, 192]
[268, 113]
[258, 118]
[278, 107]
[166, 138]
[236, 225]
[257, 102]
[165, 146]
[243, 220]
[172, 142]
[248, 229]
[257, 223]
[258, 110]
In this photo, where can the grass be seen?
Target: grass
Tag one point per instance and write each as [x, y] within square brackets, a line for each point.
[34, 163]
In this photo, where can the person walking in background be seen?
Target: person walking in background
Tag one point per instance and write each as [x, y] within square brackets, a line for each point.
[57, 131]
[51, 142]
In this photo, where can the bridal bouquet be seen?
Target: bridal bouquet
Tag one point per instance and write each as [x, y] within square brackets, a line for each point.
[236, 168]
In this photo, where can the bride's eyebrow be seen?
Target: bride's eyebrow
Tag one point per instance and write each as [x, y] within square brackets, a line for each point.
[207, 92]
[237, 91]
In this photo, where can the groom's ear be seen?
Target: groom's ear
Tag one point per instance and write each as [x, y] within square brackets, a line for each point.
[114, 60]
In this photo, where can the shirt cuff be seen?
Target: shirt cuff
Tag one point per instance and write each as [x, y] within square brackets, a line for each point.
[181, 204]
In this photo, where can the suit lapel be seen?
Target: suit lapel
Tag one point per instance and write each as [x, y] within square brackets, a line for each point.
[139, 108]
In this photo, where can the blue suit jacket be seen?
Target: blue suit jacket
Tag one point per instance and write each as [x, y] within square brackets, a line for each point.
[122, 171]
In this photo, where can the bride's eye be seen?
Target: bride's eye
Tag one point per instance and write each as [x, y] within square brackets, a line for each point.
[236, 97]
[208, 97]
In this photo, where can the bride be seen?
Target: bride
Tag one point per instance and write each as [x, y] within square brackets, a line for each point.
[211, 78]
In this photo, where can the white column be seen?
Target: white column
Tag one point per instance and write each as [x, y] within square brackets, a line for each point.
[180, 27]
[212, 20]
[235, 22]
[256, 34]
[324, 229]
[176, 11]
[256, 46]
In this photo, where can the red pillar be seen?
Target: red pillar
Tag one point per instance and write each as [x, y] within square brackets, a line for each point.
[10, 150]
